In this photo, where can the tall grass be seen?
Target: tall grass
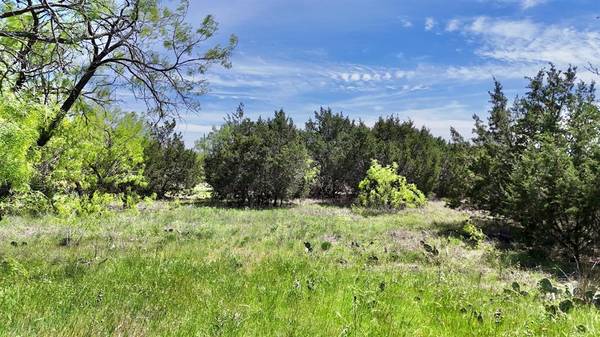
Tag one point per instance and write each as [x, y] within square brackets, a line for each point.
[202, 271]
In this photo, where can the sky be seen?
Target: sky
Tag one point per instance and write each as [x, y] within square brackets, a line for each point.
[429, 61]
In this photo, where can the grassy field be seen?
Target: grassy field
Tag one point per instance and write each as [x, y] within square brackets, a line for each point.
[202, 271]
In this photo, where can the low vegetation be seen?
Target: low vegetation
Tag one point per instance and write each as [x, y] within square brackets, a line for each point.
[305, 270]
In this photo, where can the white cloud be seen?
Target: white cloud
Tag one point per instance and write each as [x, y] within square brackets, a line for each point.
[485, 72]
[429, 23]
[523, 29]
[507, 49]
[453, 25]
[524, 41]
[526, 4]
[406, 23]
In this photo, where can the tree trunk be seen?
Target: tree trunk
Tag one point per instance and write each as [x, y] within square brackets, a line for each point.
[4, 192]
[48, 132]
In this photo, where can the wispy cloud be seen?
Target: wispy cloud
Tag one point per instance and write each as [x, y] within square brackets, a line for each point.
[526, 42]
[406, 23]
[526, 4]
[503, 29]
[505, 49]
[453, 25]
[430, 23]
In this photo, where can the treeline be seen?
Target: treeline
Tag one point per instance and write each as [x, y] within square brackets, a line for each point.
[102, 156]
[270, 161]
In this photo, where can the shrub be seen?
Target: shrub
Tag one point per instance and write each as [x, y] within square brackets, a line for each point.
[32, 203]
[473, 234]
[19, 124]
[384, 189]
[98, 152]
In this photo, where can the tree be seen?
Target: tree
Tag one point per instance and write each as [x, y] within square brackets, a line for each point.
[286, 149]
[556, 200]
[493, 154]
[170, 168]
[256, 162]
[417, 153]
[70, 50]
[19, 122]
[101, 152]
[342, 149]
[538, 163]
[455, 176]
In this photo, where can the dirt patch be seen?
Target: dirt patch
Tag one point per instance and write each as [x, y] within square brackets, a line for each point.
[406, 239]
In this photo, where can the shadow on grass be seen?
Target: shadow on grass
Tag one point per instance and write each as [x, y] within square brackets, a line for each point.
[339, 202]
[233, 205]
[512, 244]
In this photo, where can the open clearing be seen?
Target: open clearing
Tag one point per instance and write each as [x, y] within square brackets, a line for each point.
[184, 270]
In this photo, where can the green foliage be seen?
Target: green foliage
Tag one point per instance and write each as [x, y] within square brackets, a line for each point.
[96, 152]
[473, 234]
[456, 177]
[342, 150]
[538, 163]
[79, 52]
[418, 154]
[493, 155]
[27, 202]
[170, 168]
[19, 124]
[256, 162]
[69, 206]
[384, 189]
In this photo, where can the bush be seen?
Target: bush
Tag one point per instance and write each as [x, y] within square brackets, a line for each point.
[19, 125]
[75, 205]
[384, 189]
[31, 203]
[473, 235]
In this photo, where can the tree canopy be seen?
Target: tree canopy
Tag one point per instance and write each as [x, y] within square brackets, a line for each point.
[256, 162]
[538, 162]
[66, 51]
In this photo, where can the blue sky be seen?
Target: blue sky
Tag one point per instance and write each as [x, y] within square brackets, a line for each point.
[430, 61]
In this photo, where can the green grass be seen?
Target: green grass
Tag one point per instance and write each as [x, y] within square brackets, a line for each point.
[202, 271]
